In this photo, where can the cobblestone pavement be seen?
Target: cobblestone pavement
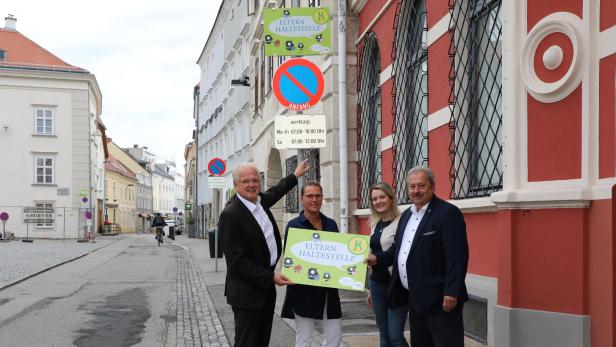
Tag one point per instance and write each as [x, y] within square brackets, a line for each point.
[197, 321]
[21, 260]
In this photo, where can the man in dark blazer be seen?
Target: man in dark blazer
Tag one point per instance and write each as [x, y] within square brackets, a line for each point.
[251, 244]
[430, 260]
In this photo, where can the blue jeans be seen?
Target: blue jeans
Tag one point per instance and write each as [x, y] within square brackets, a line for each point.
[390, 321]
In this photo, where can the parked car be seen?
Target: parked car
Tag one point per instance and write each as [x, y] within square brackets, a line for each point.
[179, 226]
[170, 228]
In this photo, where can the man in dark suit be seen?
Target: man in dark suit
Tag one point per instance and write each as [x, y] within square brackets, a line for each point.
[430, 260]
[251, 244]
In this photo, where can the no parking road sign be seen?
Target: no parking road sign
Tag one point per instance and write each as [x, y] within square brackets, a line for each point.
[298, 84]
[217, 167]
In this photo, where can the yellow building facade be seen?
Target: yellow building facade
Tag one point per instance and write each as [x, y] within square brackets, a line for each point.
[120, 197]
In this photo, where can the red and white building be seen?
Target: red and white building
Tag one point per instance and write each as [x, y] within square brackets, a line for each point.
[512, 104]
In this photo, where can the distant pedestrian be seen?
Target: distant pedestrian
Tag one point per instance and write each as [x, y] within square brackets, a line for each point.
[309, 304]
[251, 244]
[390, 311]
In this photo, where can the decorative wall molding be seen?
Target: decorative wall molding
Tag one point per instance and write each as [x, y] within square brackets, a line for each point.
[439, 29]
[386, 74]
[439, 118]
[571, 26]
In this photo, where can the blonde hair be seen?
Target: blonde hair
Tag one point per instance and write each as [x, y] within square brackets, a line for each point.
[394, 212]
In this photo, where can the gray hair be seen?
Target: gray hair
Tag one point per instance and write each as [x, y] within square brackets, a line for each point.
[425, 170]
[243, 166]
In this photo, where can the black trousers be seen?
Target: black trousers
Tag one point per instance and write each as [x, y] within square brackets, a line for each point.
[253, 328]
[438, 329]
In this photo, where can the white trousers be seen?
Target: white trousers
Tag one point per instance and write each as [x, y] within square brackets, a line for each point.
[332, 330]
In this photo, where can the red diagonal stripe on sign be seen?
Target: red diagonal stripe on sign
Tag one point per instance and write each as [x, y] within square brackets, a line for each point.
[298, 84]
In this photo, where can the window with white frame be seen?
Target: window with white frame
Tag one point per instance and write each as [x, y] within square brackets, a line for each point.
[44, 169]
[44, 121]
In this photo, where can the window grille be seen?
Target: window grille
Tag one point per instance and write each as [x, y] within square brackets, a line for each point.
[410, 92]
[476, 119]
[292, 198]
[369, 118]
[475, 314]
[313, 156]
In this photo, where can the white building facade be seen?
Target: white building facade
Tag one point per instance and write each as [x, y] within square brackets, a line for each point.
[224, 114]
[51, 137]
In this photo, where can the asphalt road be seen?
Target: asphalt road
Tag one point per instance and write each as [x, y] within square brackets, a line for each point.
[123, 294]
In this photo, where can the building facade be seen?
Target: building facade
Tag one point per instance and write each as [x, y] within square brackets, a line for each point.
[511, 103]
[190, 185]
[325, 162]
[121, 200]
[49, 119]
[224, 113]
[143, 188]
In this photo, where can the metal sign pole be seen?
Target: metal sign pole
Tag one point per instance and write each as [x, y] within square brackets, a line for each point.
[216, 249]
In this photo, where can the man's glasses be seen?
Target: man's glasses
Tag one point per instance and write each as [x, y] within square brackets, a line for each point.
[249, 181]
[313, 196]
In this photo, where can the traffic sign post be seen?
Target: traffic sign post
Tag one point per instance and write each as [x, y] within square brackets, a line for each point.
[298, 84]
[216, 167]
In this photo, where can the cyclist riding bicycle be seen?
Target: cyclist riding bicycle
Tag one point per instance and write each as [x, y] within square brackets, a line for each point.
[159, 224]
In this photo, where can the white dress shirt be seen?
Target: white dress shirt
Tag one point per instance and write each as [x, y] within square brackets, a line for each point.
[266, 226]
[407, 241]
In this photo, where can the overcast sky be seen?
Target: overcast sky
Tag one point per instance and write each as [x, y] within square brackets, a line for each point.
[143, 54]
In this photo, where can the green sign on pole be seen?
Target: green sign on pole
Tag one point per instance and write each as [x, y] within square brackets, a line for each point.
[297, 31]
[188, 207]
[326, 259]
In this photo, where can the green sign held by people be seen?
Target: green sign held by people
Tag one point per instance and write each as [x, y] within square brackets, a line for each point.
[326, 259]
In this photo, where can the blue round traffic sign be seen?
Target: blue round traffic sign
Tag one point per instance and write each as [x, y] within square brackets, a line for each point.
[217, 167]
[298, 84]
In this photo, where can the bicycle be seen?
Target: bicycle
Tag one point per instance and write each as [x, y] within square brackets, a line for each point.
[159, 235]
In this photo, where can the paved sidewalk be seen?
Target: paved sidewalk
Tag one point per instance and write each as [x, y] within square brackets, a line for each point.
[358, 326]
[22, 260]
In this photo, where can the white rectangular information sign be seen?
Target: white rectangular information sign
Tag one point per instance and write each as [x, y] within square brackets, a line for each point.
[300, 131]
[38, 215]
[216, 182]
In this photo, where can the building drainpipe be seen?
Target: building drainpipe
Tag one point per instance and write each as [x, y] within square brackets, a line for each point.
[85, 236]
[342, 119]
[196, 208]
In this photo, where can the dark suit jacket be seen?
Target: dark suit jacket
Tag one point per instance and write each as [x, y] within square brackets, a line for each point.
[249, 274]
[438, 260]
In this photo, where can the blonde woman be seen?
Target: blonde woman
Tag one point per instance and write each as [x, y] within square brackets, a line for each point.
[390, 312]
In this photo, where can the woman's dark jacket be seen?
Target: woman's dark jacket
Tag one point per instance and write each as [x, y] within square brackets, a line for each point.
[309, 301]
